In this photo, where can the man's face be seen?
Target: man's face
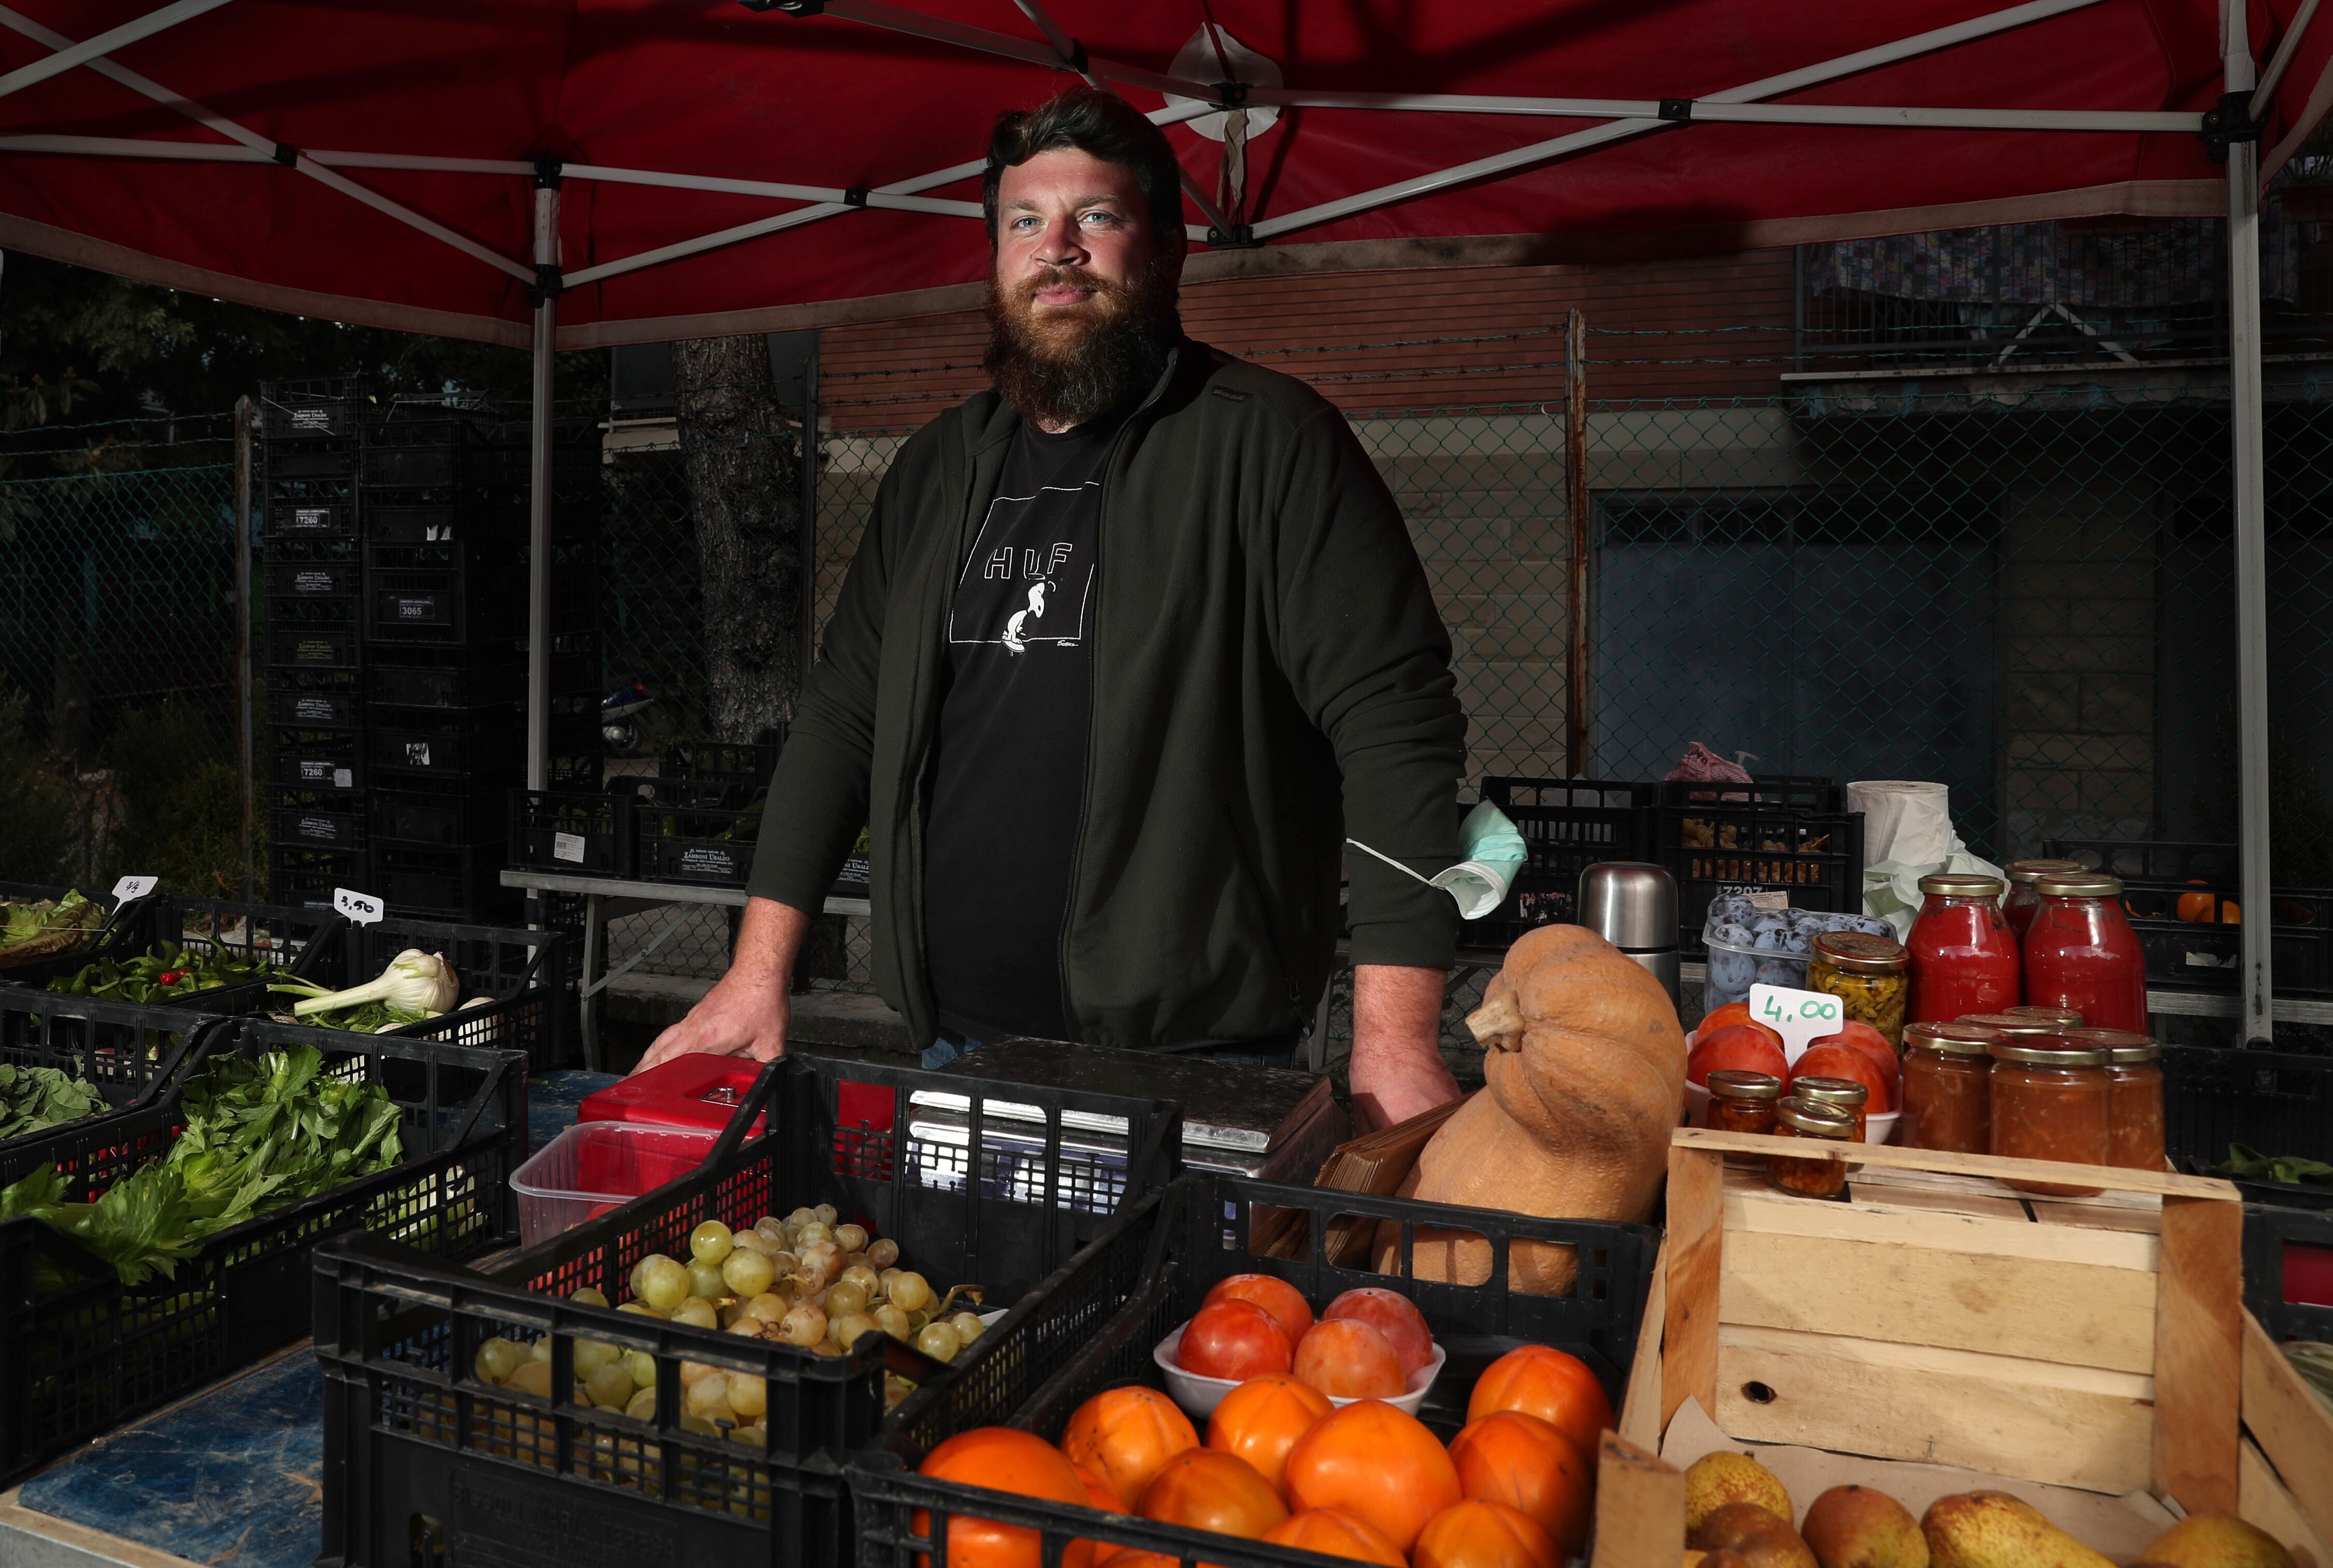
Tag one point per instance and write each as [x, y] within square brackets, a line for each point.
[1073, 235]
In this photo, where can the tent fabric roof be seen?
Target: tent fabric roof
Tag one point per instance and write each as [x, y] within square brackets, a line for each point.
[237, 148]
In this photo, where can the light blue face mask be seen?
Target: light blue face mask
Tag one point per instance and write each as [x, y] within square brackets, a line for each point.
[1491, 849]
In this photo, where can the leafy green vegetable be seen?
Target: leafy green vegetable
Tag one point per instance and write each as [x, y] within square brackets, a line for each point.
[36, 928]
[259, 1135]
[31, 1098]
[2251, 1165]
[364, 1019]
[185, 971]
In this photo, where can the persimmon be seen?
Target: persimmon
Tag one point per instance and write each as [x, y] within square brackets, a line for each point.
[1348, 1359]
[1098, 1493]
[1555, 1386]
[1726, 1017]
[1260, 1420]
[1003, 1459]
[1124, 1435]
[1334, 1532]
[1377, 1463]
[1237, 1340]
[1857, 1034]
[1394, 1316]
[1275, 1295]
[1846, 1062]
[1739, 1047]
[1474, 1534]
[1522, 1461]
[1208, 1490]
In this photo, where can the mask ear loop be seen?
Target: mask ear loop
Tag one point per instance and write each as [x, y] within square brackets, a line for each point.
[1390, 860]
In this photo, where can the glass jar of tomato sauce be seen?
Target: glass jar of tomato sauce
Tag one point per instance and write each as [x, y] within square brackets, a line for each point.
[1844, 1094]
[1947, 1086]
[2133, 1095]
[2024, 1025]
[2056, 1017]
[2081, 954]
[1742, 1102]
[2050, 1102]
[2022, 904]
[1965, 957]
[1870, 976]
[1824, 1175]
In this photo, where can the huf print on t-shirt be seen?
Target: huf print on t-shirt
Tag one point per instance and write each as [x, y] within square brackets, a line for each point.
[1029, 579]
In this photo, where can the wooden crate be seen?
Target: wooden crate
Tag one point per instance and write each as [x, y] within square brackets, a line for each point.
[1942, 1317]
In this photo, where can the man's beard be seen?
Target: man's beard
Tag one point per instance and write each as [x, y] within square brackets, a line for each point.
[1066, 367]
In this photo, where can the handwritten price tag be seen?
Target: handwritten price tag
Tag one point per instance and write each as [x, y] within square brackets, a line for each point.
[130, 888]
[1799, 1016]
[362, 908]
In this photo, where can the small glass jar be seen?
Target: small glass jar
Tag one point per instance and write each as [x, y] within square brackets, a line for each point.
[1948, 1087]
[1845, 1094]
[2022, 904]
[2133, 1095]
[2050, 1102]
[2081, 954]
[1824, 1176]
[1965, 957]
[1741, 1102]
[1870, 976]
[2021, 1026]
[2056, 1017]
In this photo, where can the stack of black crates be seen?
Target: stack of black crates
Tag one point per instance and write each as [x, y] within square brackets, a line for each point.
[398, 551]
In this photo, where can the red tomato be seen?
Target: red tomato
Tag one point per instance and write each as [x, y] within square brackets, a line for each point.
[1234, 1339]
[1394, 1316]
[1275, 1295]
[1520, 1461]
[1484, 1535]
[1857, 1034]
[1846, 1062]
[1348, 1359]
[1208, 1490]
[1541, 1381]
[1334, 1532]
[1378, 1463]
[1260, 1420]
[1006, 1460]
[1738, 1048]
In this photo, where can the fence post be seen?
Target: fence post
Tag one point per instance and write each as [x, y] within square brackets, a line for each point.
[1575, 502]
[242, 421]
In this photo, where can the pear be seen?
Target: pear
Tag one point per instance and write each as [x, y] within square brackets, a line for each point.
[2216, 1540]
[1762, 1539]
[1722, 1477]
[1856, 1528]
[1995, 1530]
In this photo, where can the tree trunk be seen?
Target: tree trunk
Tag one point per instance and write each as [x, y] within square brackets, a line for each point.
[744, 466]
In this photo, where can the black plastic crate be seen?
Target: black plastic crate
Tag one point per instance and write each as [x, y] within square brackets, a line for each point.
[2270, 1230]
[317, 819]
[499, 518]
[443, 817]
[300, 550]
[303, 877]
[117, 916]
[2271, 1102]
[1206, 1229]
[482, 744]
[310, 457]
[1777, 793]
[302, 613]
[127, 1051]
[311, 579]
[1568, 825]
[311, 759]
[429, 676]
[571, 831]
[315, 646]
[83, 1357]
[746, 763]
[471, 603]
[1814, 857]
[680, 840]
[293, 519]
[2161, 878]
[293, 942]
[312, 406]
[522, 971]
[298, 709]
[427, 880]
[412, 1435]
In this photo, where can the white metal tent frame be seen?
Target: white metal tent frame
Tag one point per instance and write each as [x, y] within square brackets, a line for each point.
[2234, 126]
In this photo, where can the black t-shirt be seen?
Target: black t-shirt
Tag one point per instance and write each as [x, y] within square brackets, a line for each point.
[1007, 782]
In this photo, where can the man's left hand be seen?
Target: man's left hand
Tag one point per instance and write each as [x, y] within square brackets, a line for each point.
[1398, 1070]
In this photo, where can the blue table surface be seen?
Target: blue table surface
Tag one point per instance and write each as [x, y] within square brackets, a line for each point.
[235, 1475]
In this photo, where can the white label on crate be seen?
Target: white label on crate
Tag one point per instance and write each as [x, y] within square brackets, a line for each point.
[309, 768]
[344, 778]
[416, 753]
[311, 582]
[1769, 898]
[312, 517]
[416, 610]
[1799, 1016]
[567, 846]
[130, 888]
[314, 708]
[362, 908]
[312, 419]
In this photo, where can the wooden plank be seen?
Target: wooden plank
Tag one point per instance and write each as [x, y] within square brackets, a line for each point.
[1697, 1248]
[2265, 1500]
[1766, 1212]
[2040, 1420]
[2199, 1352]
[1886, 1156]
[1639, 1508]
[2293, 1429]
[2137, 1220]
[1640, 1407]
[2031, 1308]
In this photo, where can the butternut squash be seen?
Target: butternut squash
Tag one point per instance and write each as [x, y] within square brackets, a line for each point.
[1585, 1068]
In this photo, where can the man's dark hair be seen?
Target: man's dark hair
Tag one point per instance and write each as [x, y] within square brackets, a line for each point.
[1101, 125]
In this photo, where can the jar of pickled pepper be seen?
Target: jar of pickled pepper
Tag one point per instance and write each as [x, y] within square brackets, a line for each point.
[1823, 1175]
[2133, 1095]
[1870, 976]
[1742, 1102]
[1845, 1094]
[2051, 1103]
[1947, 1090]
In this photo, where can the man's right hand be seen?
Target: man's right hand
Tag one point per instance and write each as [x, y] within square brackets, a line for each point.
[747, 1012]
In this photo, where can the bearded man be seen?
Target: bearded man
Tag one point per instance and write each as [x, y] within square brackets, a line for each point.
[1132, 646]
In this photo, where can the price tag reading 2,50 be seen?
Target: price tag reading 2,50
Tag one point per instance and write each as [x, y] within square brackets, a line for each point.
[1799, 1016]
[362, 908]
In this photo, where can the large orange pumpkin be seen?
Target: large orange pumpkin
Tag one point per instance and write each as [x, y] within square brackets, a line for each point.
[1006, 1460]
[1260, 1420]
[1484, 1535]
[1275, 1295]
[1348, 1359]
[1584, 1075]
[1336, 1534]
[1378, 1463]
[1208, 1490]
[1125, 1435]
[1541, 1381]
[1522, 1461]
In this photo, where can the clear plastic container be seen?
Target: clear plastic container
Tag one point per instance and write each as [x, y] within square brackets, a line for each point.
[594, 1166]
[1734, 970]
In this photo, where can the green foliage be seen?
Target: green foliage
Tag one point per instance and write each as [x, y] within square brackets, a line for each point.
[181, 817]
[36, 807]
[31, 1098]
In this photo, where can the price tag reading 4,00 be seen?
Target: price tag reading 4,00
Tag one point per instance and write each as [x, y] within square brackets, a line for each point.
[1799, 1016]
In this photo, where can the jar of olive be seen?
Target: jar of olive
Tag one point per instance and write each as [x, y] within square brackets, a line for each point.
[1871, 976]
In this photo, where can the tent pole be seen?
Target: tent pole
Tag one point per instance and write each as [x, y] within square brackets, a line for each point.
[2251, 543]
[538, 586]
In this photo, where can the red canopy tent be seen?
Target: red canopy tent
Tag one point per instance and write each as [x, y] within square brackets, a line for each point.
[580, 173]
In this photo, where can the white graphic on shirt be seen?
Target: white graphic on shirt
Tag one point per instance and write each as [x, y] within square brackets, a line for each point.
[1019, 595]
[1013, 638]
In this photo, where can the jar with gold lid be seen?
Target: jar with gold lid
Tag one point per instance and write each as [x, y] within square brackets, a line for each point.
[2022, 902]
[1820, 1176]
[1871, 976]
[2133, 1095]
[2051, 1103]
[1742, 1102]
[1845, 1094]
[1947, 1088]
[2058, 1017]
